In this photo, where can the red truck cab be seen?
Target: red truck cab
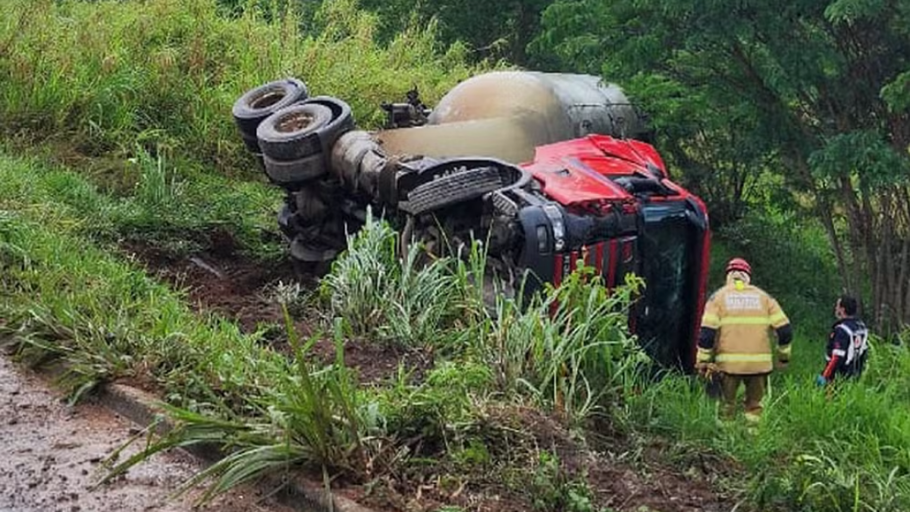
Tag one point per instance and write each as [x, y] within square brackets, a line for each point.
[615, 207]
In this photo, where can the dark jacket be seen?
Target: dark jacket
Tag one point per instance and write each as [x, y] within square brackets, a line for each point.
[848, 345]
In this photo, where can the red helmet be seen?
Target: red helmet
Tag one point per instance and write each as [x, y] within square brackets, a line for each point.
[739, 264]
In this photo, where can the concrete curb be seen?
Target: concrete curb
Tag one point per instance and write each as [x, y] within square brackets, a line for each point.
[297, 492]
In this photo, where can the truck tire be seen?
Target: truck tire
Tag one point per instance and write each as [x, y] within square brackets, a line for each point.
[260, 102]
[293, 132]
[342, 120]
[452, 189]
[251, 143]
[311, 251]
[295, 171]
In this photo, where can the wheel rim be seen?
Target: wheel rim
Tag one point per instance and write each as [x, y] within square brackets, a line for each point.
[294, 122]
[267, 99]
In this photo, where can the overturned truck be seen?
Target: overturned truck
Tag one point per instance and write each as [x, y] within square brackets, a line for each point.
[549, 169]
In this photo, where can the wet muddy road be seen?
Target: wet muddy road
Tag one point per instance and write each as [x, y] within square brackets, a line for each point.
[51, 454]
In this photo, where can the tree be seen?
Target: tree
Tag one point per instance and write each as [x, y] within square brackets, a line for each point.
[817, 92]
[493, 29]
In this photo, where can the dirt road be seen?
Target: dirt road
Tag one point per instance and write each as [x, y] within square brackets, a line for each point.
[50, 455]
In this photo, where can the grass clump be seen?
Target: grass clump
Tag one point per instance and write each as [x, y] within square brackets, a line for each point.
[378, 297]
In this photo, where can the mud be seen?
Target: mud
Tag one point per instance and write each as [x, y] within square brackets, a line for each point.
[51, 455]
[223, 282]
[220, 280]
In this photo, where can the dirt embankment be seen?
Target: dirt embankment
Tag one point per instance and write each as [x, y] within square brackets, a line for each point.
[51, 454]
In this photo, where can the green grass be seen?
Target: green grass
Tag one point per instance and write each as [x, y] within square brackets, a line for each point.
[67, 299]
[110, 76]
[175, 215]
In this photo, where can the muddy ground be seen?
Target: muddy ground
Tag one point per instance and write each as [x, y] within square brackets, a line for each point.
[243, 290]
[51, 454]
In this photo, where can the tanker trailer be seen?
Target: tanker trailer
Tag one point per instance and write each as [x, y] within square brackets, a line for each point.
[549, 169]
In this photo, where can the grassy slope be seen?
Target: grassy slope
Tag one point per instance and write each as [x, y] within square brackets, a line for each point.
[127, 82]
[834, 449]
[110, 76]
[62, 293]
[64, 297]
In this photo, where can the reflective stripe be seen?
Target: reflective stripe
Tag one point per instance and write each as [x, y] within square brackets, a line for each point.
[743, 358]
[752, 417]
[745, 320]
[710, 320]
[778, 319]
[785, 350]
[840, 353]
[704, 356]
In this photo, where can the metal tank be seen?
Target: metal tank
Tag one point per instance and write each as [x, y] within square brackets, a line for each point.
[506, 114]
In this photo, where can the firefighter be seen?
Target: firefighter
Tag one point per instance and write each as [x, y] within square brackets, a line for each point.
[848, 343]
[734, 339]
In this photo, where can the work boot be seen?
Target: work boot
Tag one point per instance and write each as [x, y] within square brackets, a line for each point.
[724, 416]
[753, 418]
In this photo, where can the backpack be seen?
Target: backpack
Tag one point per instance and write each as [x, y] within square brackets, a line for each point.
[857, 347]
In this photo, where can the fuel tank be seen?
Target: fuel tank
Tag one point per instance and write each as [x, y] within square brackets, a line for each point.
[507, 114]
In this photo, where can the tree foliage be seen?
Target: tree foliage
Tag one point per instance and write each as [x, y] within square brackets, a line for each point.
[494, 30]
[815, 92]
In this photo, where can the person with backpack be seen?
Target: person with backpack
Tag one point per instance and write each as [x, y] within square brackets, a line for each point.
[848, 343]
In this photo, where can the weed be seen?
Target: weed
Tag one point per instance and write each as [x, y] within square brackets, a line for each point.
[573, 358]
[380, 297]
[553, 490]
[158, 189]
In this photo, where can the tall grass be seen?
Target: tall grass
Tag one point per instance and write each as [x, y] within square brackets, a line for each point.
[843, 451]
[568, 348]
[379, 297]
[164, 73]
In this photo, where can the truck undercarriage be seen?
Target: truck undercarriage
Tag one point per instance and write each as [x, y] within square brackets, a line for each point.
[547, 170]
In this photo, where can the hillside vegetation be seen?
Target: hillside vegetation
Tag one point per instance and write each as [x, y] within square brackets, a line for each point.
[121, 163]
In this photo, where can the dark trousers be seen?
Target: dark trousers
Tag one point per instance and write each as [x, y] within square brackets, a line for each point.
[755, 391]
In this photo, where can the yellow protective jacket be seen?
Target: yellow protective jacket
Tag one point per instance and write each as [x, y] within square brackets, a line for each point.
[736, 329]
